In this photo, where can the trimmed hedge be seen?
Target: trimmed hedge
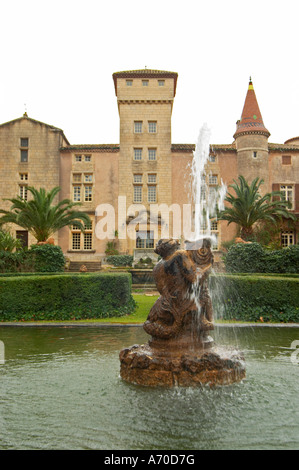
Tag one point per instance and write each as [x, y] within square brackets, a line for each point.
[39, 258]
[253, 258]
[65, 297]
[120, 260]
[47, 258]
[255, 297]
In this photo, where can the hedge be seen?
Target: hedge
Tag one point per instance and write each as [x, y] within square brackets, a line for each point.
[255, 297]
[65, 297]
[39, 258]
[253, 258]
[120, 260]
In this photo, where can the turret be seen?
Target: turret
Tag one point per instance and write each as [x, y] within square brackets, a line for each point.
[251, 138]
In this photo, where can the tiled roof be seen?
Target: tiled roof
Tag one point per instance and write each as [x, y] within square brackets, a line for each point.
[145, 73]
[251, 121]
[183, 148]
[179, 148]
[283, 147]
[293, 139]
[224, 147]
[110, 148]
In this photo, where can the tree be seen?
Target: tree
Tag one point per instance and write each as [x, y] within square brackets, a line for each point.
[8, 242]
[249, 207]
[40, 216]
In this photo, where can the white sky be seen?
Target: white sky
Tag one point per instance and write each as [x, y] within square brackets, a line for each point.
[58, 57]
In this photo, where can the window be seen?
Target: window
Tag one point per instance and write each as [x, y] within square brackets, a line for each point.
[214, 225]
[213, 179]
[286, 159]
[88, 178]
[88, 193]
[23, 236]
[287, 191]
[88, 227]
[77, 177]
[76, 241]
[23, 192]
[87, 237]
[24, 176]
[151, 193]
[24, 155]
[287, 239]
[215, 234]
[161, 82]
[144, 82]
[81, 158]
[82, 190]
[254, 154]
[87, 241]
[77, 193]
[152, 178]
[212, 158]
[152, 154]
[145, 239]
[82, 240]
[138, 127]
[152, 189]
[137, 178]
[137, 154]
[129, 82]
[24, 144]
[152, 127]
[137, 194]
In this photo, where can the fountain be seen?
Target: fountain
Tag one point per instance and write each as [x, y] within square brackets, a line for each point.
[181, 352]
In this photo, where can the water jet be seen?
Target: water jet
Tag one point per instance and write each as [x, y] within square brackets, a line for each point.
[181, 352]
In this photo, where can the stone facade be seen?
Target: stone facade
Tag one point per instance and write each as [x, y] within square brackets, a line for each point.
[144, 168]
[29, 156]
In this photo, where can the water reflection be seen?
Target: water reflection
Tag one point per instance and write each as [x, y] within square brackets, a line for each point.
[60, 389]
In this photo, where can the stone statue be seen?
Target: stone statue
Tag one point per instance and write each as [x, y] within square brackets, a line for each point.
[180, 351]
[181, 278]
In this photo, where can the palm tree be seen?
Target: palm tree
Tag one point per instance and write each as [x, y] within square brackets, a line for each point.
[249, 207]
[40, 216]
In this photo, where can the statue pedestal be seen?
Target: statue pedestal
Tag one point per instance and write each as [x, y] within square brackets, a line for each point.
[152, 366]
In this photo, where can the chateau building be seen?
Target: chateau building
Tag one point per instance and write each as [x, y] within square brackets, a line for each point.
[117, 182]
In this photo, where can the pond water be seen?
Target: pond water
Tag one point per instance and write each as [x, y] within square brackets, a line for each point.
[60, 389]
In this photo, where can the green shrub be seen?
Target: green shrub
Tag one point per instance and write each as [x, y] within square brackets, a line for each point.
[253, 258]
[254, 297]
[120, 260]
[111, 249]
[8, 242]
[65, 296]
[47, 258]
[39, 258]
[15, 262]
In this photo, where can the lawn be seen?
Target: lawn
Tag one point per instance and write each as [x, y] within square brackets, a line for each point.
[144, 304]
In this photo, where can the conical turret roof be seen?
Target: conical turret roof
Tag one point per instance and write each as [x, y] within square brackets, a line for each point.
[251, 121]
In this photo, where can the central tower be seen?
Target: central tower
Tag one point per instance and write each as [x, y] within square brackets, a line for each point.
[145, 100]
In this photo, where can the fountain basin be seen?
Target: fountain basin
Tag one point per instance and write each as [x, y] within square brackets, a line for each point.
[144, 365]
